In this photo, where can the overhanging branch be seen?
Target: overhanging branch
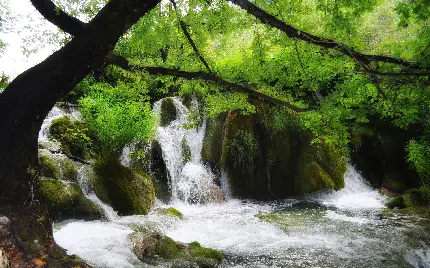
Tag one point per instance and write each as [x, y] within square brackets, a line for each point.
[58, 17]
[293, 32]
[211, 78]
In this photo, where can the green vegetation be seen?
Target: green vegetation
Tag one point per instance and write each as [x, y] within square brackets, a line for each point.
[197, 250]
[117, 116]
[412, 199]
[67, 201]
[127, 192]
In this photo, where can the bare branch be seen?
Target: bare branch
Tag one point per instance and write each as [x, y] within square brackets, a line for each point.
[58, 17]
[211, 78]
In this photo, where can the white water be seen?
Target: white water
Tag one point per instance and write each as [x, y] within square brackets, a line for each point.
[55, 113]
[357, 194]
[326, 229]
[188, 181]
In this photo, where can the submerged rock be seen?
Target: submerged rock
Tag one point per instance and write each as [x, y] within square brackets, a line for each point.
[171, 211]
[66, 200]
[155, 248]
[412, 199]
[126, 191]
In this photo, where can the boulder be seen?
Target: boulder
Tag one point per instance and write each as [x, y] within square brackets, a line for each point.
[66, 200]
[167, 111]
[155, 248]
[267, 159]
[126, 191]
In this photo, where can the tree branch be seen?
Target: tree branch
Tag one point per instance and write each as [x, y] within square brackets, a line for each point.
[208, 77]
[293, 32]
[190, 40]
[58, 17]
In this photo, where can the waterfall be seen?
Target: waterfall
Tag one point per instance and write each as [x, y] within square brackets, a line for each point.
[190, 181]
[357, 193]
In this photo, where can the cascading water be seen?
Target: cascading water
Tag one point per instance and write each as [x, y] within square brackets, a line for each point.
[189, 181]
[327, 229]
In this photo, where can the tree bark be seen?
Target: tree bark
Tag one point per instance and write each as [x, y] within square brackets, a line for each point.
[28, 99]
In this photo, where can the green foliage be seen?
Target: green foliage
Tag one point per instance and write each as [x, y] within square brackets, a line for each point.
[73, 135]
[419, 157]
[4, 80]
[117, 116]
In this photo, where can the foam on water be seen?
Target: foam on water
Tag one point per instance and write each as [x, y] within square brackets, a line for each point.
[357, 194]
[188, 181]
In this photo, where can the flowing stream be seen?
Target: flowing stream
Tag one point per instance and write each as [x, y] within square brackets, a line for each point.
[347, 228]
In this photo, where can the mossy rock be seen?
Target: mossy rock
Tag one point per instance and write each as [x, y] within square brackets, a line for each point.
[213, 142]
[185, 150]
[67, 201]
[48, 167]
[196, 250]
[126, 191]
[395, 183]
[159, 172]
[73, 136]
[155, 248]
[69, 170]
[412, 199]
[168, 111]
[167, 248]
[276, 160]
[172, 212]
[396, 202]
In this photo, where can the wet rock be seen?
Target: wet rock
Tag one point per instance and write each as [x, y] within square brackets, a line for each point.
[266, 160]
[66, 200]
[126, 191]
[168, 112]
[154, 248]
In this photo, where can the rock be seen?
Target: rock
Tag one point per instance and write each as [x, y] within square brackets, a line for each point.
[267, 159]
[168, 111]
[159, 172]
[126, 191]
[378, 152]
[214, 195]
[65, 201]
[171, 211]
[73, 136]
[412, 199]
[185, 150]
[155, 248]
[48, 168]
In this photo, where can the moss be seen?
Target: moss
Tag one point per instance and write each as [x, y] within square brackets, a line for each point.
[127, 192]
[396, 202]
[185, 149]
[48, 168]
[212, 142]
[167, 248]
[320, 167]
[172, 212]
[416, 199]
[196, 250]
[67, 201]
[73, 136]
[168, 111]
[69, 170]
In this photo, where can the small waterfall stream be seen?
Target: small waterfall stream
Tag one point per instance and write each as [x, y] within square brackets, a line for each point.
[189, 181]
[346, 228]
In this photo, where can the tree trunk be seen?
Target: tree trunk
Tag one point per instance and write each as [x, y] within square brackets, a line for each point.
[28, 99]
